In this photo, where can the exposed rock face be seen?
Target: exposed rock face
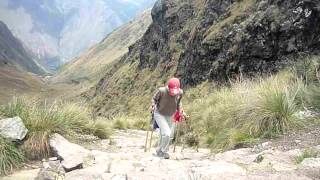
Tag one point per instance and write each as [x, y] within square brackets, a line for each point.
[13, 129]
[199, 40]
[216, 39]
[72, 155]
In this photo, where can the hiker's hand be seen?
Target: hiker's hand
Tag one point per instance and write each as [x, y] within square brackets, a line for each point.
[185, 116]
[152, 107]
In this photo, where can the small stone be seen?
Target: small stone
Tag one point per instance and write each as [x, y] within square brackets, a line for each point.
[53, 159]
[266, 144]
[120, 177]
[258, 159]
[297, 141]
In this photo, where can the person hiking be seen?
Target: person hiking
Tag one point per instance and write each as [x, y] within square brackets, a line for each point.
[166, 103]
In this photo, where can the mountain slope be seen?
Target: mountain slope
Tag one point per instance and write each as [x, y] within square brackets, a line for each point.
[60, 30]
[209, 40]
[13, 53]
[17, 68]
[92, 63]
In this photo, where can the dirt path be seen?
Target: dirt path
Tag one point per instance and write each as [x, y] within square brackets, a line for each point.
[123, 157]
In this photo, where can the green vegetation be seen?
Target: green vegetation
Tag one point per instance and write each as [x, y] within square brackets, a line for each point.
[222, 117]
[251, 109]
[10, 157]
[43, 119]
[308, 153]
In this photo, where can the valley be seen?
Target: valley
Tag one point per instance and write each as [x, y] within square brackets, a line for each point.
[249, 70]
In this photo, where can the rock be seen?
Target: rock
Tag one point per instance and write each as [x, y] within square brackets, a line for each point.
[258, 159]
[294, 153]
[218, 170]
[13, 128]
[266, 145]
[311, 162]
[72, 155]
[297, 141]
[95, 172]
[243, 156]
[310, 167]
[53, 159]
[23, 175]
[119, 177]
[51, 170]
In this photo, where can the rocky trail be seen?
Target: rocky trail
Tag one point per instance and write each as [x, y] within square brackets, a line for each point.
[123, 157]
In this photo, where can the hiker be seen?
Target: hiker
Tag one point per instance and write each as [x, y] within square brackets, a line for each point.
[166, 104]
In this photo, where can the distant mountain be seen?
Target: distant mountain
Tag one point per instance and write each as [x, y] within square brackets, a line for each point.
[59, 30]
[18, 69]
[12, 53]
[92, 63]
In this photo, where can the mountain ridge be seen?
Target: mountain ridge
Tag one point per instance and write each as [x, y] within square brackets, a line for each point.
[214, 41]
[92, 62]
[74, 25]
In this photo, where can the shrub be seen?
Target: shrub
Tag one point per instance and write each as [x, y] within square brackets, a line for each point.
[102, 129]
[308, 153]
[10, 157]
[273, 108]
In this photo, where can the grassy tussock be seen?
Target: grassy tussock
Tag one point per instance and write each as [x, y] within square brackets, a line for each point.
[247, 110]
[10, 157]
[43, 119]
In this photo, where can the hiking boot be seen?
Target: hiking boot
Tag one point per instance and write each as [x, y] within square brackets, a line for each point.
[161, 154]
[166, 156]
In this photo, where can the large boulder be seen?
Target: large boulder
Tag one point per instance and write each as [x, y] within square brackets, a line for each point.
[13, 129]
[73, 156]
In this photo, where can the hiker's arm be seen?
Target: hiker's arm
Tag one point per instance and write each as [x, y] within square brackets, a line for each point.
[180, 108]
[155, 99]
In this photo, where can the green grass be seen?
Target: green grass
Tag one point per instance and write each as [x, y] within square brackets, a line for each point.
[121, 122]
[102, 129]
[10, 157]
[308, 153]
[248, 110]
[43, 119]
[225, 116]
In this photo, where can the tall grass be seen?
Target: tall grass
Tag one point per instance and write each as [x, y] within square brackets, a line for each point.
[10, 157]
[43, 119]
[250, 109]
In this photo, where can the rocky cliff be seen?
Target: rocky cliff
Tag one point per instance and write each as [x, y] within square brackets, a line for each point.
[200, 40]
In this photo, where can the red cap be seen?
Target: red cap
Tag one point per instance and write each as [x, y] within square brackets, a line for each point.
[174, 86]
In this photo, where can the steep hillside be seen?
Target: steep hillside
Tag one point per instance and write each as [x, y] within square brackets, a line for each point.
[15, 82]
[13, 53]
[17, 68]
[91, 64]
[209, 40]
[57, 31]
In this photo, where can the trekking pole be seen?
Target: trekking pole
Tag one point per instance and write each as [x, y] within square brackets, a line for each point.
[146, 143]
[176, 138]
[150, 144]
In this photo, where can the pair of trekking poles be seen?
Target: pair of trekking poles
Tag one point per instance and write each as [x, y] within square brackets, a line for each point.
[153, 126]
